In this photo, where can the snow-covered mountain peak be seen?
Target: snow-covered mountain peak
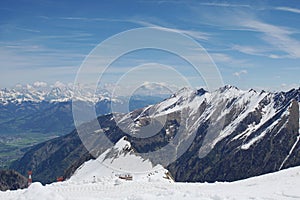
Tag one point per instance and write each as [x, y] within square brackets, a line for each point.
[121, 148]
[182, 92]
[123, 144]
[200, 91]
[228, 112]
[228, 87]
[252, 90]
[121, 162]
[52, 93]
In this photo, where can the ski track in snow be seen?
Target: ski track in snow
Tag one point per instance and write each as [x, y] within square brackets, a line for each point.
[283, 185]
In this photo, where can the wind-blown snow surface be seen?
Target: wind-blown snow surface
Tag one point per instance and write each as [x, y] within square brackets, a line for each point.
[280, 185]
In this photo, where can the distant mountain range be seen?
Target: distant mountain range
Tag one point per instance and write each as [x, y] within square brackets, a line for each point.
[48, 109]
[31, 114]
[224, 135]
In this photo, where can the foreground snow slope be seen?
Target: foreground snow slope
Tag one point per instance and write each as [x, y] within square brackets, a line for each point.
[280, 185]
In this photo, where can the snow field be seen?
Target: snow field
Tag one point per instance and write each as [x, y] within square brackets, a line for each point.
[283, 185]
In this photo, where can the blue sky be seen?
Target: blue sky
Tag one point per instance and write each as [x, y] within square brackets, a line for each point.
[255, 44]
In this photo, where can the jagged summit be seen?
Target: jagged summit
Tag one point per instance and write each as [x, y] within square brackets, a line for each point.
[253, 90]
[200, 91]
[182, 91]
[185, 91]
[228, 87]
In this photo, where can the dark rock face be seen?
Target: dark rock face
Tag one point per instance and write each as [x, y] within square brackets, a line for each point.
[229, 161]
[11, 180]
[50, 159]
[237, 135]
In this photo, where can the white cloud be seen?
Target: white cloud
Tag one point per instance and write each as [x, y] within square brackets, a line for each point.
[28, 30]
[194, 34]
[258, 51]
[279, 40]
[220, 57]
[239, 73]
[274, 56]
[279, 37]
[91, 19]
[226, 5]
[247, 49]
[288, 9]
